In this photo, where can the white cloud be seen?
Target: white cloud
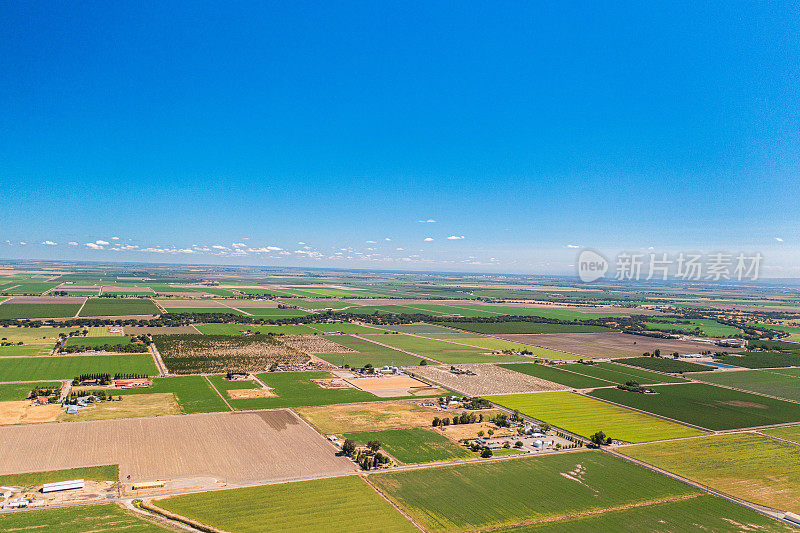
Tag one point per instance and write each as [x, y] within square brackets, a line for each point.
[72, 243]
[22, 243]
[573, 246]
[93, 246]
[399, 249]
[428, 239]
[455, 237]
[301, 243]
[102, 243]
[114, 238]
[387, 239]
[429, 221]
[239, 245]
[778, 239]
[50, 243]
[219, 247]
[371, 242]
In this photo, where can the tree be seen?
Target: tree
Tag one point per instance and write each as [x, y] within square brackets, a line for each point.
[486, 453]
[518, 444]
[490, 432]
[544, 427]
[657, 352]
[480, 433]
[374, 445]
[599, 438]
[348, 446]
[436, 421]
[423, 362]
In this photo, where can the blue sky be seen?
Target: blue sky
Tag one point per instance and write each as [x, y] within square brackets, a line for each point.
[526, 129]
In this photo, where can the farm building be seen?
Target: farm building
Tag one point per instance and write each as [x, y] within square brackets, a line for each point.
[64, 485]
[72, 409]
[139, 383]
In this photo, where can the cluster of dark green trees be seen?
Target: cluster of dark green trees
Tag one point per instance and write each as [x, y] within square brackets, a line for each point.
[368, 458]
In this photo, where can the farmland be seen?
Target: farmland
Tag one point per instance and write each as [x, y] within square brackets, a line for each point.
[190, 354]
[96, 342]
[760, 359]
[700, 513]
[193, 393]
[761, 381]
[445, 352]
[107, 517]
[315, 505]
[44, 310]
[491, 328]
[749, 466]
[367, 352]
[710, 328]
[413, 445]
[67, 367]
[663, 364]
[92, 473]
[25, 350]
[295, 389]
[330, 419]
[620, 374]
[707, 406]
[19, 391]
[133, 405]
[501, 493]
[585, 416]
[791, 433]
[603, 345]
[119, 307]
[279, 447]
[484, 379]
[557, 375]
[236, 329]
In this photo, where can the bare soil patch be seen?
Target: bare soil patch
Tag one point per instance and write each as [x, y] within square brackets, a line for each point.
[605, 345]
[488, 379]
[335, 383]
[243, 447]
[114, 288]
[313, 344]
[171, 330]
[470, 431]
[189, 304]
[241, 394]
[24, 412]
[252, 304]
[132, 405]
[392, 386]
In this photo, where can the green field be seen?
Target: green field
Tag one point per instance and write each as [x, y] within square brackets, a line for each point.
[193, 393]
[20, 391]
[236, 329]
[701, 513]
[119, 307]
[224, 385]
[274, 311]
[558, 314]
[526, 327]
[752, 467]
[755, 359]
[493, 344]
[97, 341]
[419, 328]
[367, 353]
[26, 350]
[83, 519]
[33, 335]
[31, 287]
[703, 326]
[707, 406]
[793, 331]
[67, 367]
[295, 389]
[89, 473]
[445, 352]
[11, 310]
[346, 327]
[763, 381]
[791, 433]
[414, 445]
[585, 416]
[663, 364]
[620, 374]
[556, 375]
[316, 304]
[486, 495]
[343, 503]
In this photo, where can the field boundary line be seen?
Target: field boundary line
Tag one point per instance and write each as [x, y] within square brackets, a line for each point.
[592, 512]
[158, 305]
[218, 392]
[81, 308]
[398, 349]
[237, 309]
[787, 441]
[392, 503]
[157, 358]
[169, 515]
[759, 508]
[747, 391]
[197, 330]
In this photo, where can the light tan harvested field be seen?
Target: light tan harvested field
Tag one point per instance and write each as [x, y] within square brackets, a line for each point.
[243, 447]
[392, 386]
[313, 344]
[398, 414]
[189, 304]
[248, 304]
[489, 379]
[45, 300]
[167, 330]
[23, 412]
[470, 431]
[604, 345]
[132, 405]
[64, 287]
[114, 288]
